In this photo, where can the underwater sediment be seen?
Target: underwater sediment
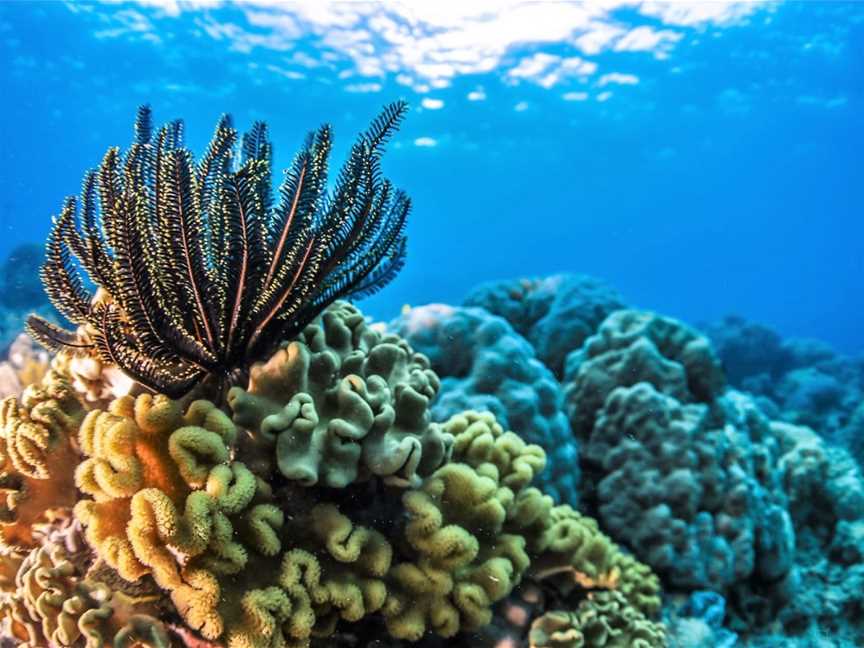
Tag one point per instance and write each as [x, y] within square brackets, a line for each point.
[226, 452]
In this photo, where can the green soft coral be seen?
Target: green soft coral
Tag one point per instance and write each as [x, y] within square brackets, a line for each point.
[341, 403]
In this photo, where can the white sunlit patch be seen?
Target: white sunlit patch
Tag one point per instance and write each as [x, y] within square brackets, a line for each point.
[699, 13]
[648, 39]
[522, 106]
[575, 96]
[425, 142]
[432, 104]
[547, 70]
[477, 95]
[363, 87]
[604, 96]
[618, 78]
[428, 43]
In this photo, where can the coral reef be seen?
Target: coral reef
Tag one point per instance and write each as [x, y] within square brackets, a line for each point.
[180, 526]
[223, 454]
[485, 365]
[711, 493]
[555, 314]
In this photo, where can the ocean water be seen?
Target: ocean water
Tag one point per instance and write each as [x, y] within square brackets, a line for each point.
[701, 162]
[703, 159]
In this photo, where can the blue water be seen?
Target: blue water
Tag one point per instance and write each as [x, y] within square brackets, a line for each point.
[703, 159]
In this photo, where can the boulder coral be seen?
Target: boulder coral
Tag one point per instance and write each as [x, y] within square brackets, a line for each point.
[707, 490]
[639, 346]
[678, 485]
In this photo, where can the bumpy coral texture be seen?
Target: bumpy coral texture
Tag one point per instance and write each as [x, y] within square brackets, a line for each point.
[37, 452]
[486, 365]
[639, 346]
[555, 314]
[56, 603]
[825, 491]
[683, 482]
[341, 403]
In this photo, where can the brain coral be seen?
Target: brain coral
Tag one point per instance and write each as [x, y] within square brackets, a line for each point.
[485, 365]
[555, 314]
[343, 402]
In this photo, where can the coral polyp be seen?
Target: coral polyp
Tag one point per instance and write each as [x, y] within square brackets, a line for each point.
[198, 270]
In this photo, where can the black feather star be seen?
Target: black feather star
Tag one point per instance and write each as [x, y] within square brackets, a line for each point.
[200, 272]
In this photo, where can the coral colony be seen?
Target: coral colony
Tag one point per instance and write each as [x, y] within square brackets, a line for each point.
[226, 453]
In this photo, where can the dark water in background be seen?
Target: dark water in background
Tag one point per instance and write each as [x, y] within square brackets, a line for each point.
[702, 160]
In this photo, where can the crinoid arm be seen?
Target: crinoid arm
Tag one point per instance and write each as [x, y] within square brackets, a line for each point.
[199, 270]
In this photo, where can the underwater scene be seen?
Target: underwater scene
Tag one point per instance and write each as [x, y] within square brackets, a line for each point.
[490, 324]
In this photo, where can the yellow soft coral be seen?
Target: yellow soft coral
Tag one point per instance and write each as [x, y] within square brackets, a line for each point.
[479, 438]
[564, 545]
[334, 572]
[166, 499]
[37, 453]
[465, 560]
